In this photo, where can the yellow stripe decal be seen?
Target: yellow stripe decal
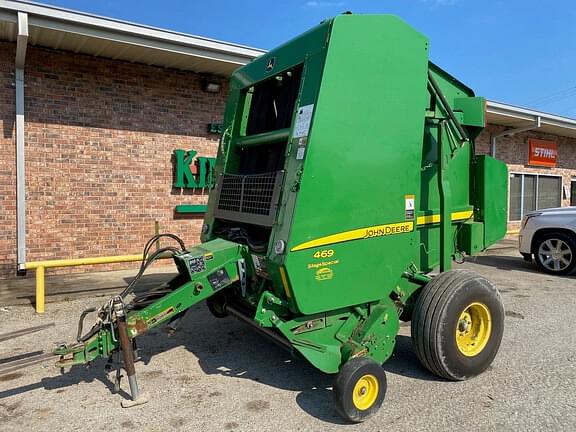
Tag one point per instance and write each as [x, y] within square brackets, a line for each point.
[285, 282]
[357, 234]
[378, 231]
[456, 216]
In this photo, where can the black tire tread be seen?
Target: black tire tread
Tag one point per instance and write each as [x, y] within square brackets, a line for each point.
[342, 385]
[422, 327]
[213, 307]
[426, 319]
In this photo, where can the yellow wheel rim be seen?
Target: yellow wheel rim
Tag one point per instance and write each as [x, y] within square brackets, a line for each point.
[365, 392]
[473, 329]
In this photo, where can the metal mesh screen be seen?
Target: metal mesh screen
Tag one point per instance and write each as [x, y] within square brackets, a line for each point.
[231, 193]
[249, 198]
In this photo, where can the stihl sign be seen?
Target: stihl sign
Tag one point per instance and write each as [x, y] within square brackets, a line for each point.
[542, 153]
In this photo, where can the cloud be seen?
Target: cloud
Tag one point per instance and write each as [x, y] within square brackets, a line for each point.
[319, 4]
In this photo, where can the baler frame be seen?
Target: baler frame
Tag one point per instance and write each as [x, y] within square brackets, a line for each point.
[333, 287]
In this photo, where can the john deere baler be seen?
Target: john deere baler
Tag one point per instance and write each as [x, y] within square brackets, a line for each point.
[345, 175]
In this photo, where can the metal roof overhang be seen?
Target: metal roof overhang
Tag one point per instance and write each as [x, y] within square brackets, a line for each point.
[518, 117]
[78, 32]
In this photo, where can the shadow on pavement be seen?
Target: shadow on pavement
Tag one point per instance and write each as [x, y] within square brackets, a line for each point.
[151, 280]
[509, 263]
[230, 348]
[74, 376]
[75, 286]
[503, 262]
[404, 361]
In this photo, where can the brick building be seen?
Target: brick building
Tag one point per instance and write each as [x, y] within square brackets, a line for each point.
[516, 135]
[92, 109]
[106, 103]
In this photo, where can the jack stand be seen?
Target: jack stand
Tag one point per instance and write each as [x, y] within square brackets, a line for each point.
[128, 358]
[118, 371]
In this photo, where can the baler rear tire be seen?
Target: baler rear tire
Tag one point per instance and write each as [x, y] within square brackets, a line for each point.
[457, 306]
[359, 389]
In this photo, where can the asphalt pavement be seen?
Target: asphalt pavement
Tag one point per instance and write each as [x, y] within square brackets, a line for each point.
[218, 375]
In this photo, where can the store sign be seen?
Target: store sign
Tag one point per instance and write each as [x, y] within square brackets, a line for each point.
[193, 172]
[542, 153]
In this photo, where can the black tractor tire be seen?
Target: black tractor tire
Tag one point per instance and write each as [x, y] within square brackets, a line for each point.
[359, 389]
[457, 325]
[217, 305]
[567, 249]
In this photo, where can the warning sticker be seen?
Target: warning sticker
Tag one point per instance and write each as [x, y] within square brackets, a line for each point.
[219, 279]
[300, 153]
[409, 207]
[303, 119]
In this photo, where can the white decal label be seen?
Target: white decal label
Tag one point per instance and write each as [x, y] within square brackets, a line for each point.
[300, 153]
[303, 119]
[409, 207]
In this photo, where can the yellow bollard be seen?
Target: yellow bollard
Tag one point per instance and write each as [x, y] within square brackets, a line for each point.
[40, 290]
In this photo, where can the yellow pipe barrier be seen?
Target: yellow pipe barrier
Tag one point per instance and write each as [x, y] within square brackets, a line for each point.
[83, 261]
[40, 290]
[40, 267]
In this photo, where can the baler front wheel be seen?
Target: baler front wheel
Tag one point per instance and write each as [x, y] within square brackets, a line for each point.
[217, 305]
[359, 389]
[457, 325]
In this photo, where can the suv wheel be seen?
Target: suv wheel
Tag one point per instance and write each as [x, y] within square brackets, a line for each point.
[555, 253]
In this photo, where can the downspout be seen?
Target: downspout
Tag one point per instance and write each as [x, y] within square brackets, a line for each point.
[21, 45]
[537, 124]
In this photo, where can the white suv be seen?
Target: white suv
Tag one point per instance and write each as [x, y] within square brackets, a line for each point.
[550, 236]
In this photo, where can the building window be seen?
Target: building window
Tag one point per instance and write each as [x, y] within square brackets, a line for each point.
[531, 192]
[573, 192]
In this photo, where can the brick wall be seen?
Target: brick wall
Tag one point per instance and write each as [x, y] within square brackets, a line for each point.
[514, 151]
[99, 140]
[7, 159]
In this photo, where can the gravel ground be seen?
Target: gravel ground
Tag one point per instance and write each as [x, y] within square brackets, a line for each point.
[219, 375]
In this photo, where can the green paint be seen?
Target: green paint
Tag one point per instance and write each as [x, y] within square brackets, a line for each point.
[490, 197]
[358, 71]
[191, 208]
[343, 179]
[195, 290]
[185, 178]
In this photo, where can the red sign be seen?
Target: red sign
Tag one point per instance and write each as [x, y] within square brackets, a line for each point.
[542, 153]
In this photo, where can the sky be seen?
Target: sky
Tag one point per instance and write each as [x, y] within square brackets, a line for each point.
[521, 52]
